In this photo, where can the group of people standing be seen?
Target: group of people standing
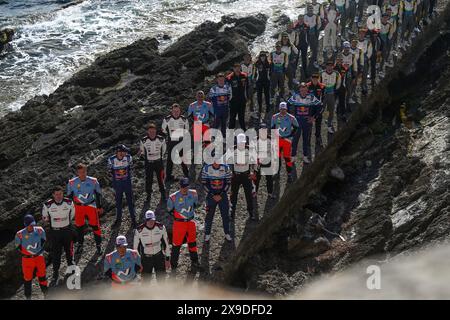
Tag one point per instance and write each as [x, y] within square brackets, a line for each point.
[329, 86]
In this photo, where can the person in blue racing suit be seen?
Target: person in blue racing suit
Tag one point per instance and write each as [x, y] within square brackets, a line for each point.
[305, 106]
[120, 167]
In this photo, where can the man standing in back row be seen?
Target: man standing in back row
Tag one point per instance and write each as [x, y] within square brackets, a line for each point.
[238, 82]
[153, 147]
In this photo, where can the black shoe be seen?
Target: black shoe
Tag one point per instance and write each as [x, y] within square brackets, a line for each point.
[252, 216]
[54, 282]
[98, 250]
[290, 178]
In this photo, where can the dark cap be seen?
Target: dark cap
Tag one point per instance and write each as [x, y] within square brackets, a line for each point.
[29, 220]
[184, 182]
[330, 62]
[122, 147]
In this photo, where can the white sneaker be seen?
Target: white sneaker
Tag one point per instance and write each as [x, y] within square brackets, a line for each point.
[271, 196]
[207, 237]
[389, 64]
[306, 160]
[351, 101]
[293, 158]
[228, 237]
[330, 130]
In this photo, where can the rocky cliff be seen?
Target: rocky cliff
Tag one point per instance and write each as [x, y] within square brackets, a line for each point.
[383, 183]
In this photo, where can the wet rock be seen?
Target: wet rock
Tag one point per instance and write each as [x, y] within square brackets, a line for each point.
[99, 107]
[337, 173]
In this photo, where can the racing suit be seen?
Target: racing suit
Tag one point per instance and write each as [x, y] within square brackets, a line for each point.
[317, 90]
[265, 153]
[153, 151]
[286, 126]
[239, 84]
[87, 198]
[332, 82]
[279, 65]
[153, 246]
[342, 7]
[122, 270]
[182, 207]
[292, 54]
[220, 99]
[243, 169]
[121, 182]
[31, 246]
[200, 114]
[59, 216]
[350, 63]
[302, 46]
[261, 75]
[342, 93]
[394, 20]
[216, 182]
[330, 36]
[170, 126]
[248, 70]
[366, 48]
[386, 34]
[407, 12]
[304, 109]
[313, 22]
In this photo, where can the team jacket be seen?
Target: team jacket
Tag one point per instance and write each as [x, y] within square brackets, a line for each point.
[332, 81]
[200, 112]
[316, 90]
[183, 206]
[120, 168]
[279, 61]
[291, 52]
[220, 97]
[122, 269]
[247, 69]
[86, 193]
[153, 149]
[302, 34]
[366, 48]
[313, 22]
[286, 125]
[242, 162]
[151, 241]
[407, 8]
[238, 85]
[350, 62]
[216, 181]
[261, 72]
[386, 31]
[59, 215]
[171, 126]
[30, 243]
[318, 10]
[307, 106]
[341, 5]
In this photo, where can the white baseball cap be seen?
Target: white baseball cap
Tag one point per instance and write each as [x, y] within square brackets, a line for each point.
[283, 105]
[241, 138]
[121, 241]
[347, 44]
[150, 215]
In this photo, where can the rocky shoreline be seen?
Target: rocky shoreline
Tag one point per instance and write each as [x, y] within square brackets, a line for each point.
[110, 101]
[107, 103]
[382, 183]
